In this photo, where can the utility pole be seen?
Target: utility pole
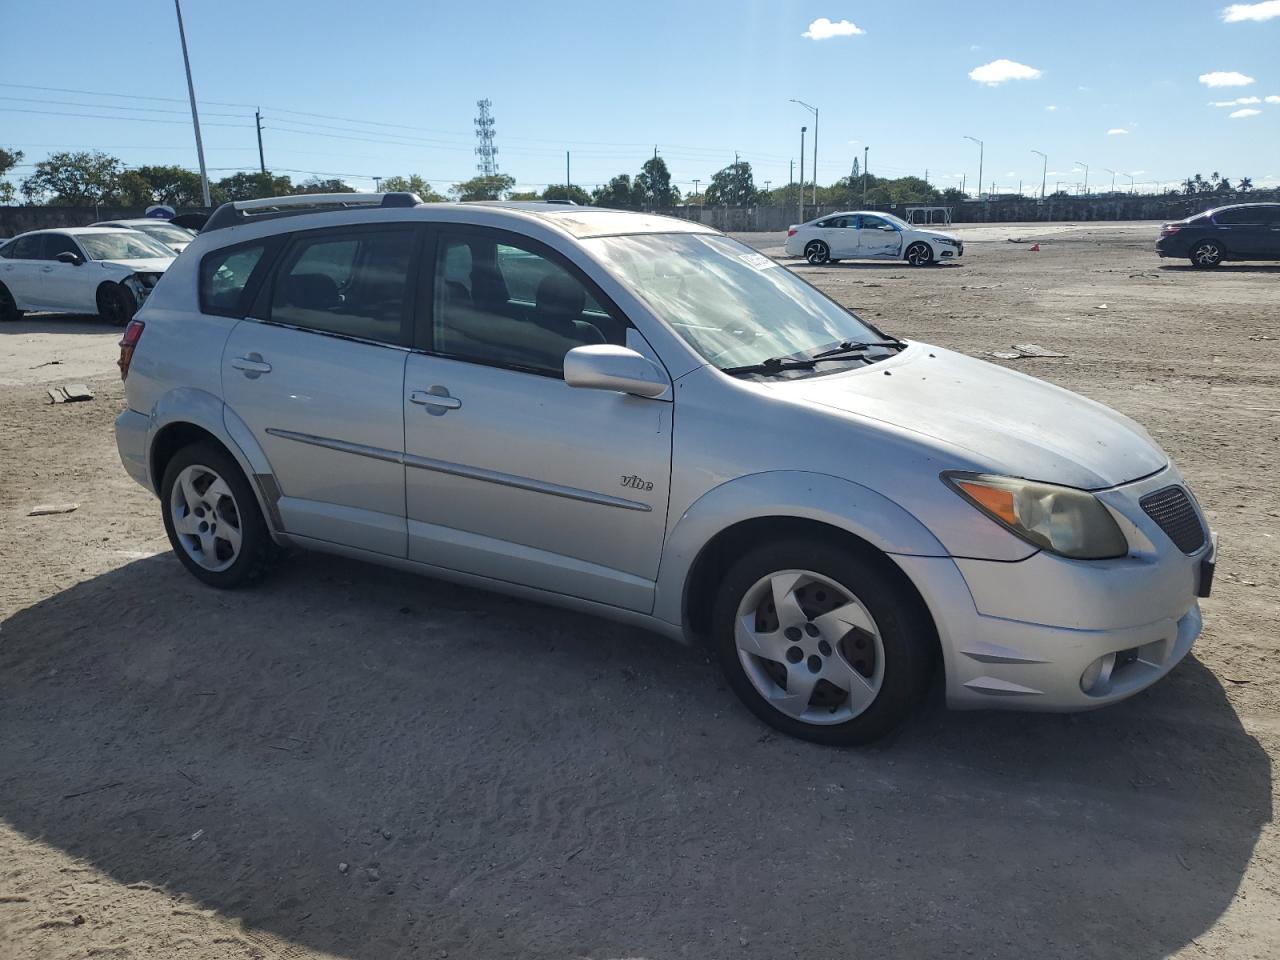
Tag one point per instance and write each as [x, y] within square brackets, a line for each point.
[262, 163]
[1113, 179]
[568, 181]
[195, 117]
[981, 149]
[1044, 170]
[695, 189]
[814, 111]
[377, 181]
[866, 156]
[1130, 176]
[1086, 175]
[802, 130]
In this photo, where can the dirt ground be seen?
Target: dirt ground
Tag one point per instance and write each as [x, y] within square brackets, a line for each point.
[347, 762]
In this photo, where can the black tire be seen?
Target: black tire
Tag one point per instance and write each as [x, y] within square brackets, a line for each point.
[116, 304]
[817, 252]
[258, 552]
[905, 632]
[1206, 255]
[919, 254]
[8, 306]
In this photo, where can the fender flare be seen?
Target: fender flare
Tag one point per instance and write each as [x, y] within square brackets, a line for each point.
[834, 501]
[199, 408]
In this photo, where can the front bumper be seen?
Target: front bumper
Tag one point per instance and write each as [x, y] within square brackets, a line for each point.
[132, 429]
[1052, 634]
[949, 252]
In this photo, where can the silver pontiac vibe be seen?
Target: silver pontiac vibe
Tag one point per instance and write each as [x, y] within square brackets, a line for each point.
[641, 418]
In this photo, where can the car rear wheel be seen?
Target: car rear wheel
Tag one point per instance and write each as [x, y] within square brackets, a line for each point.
[919, 254]
[116, 304]
[817, 253]
[212, 518]
[1205, 254]
[8, 306]
[821, 643]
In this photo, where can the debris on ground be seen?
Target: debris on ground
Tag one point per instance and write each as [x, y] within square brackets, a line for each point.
[1101, 306]
[48, 509]
[47, 363]
[1263, 336]
[70, 393]
[1021, 350]
[1035, 248]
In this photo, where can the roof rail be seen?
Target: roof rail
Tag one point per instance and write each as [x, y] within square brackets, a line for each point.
[247, 211]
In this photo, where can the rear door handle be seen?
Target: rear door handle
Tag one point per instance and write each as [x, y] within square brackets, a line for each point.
[253, 365]
[436, 400]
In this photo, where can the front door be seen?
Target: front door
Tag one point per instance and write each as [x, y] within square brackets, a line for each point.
[69, 286]
[511, 473]
[1244, 231]
[878, 239]
[317, 373]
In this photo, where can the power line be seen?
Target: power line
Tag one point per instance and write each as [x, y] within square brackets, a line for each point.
[122, 96]
[101, 116]
[109, 106]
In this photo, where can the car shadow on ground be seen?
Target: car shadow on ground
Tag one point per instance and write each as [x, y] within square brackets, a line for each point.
[60, 323]
[508, 780]
[869, 265]
[1223, 268]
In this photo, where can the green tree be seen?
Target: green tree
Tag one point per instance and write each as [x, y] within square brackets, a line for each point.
[733, 186]
[558, 191]
[619, 194]
[317, 185]
[411, 184]
[74, 179]
[483, 188]
[171, 184]
[524, 195]
[1245, 184]
[653, 183]
[8, 160]
[250, 186]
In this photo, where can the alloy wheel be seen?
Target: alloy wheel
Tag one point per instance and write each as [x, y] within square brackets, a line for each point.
[918, 255]
[206, 518]
[810, 647]
[817, 253]
[1207, 255]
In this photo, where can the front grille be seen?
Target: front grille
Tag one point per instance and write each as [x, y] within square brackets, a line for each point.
[1173, 511]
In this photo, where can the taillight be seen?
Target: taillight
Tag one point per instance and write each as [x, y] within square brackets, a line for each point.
[1169, 229]
[791, 231]
[132, 334]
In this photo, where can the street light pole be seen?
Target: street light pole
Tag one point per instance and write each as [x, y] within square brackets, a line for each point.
[802, 130]
[866, 154]
[1113, 179]
[1044, 171]
[195, 117]
[1130, 176]
[1086, 176]
[981, 149]
[814, 111]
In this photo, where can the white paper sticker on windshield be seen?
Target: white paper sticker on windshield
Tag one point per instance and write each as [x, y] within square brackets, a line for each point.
[757, 260]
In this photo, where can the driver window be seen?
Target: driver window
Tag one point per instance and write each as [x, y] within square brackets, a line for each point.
[873, 223]
[56, 243]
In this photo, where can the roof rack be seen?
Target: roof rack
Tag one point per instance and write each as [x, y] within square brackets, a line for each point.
[248, 211]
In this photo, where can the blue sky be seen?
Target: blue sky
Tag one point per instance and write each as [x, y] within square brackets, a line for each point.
[396, 83]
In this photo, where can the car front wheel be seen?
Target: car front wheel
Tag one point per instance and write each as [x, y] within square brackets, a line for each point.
[1205, 254]
[817, 253]
[821, 643]
[212, 518]
[8, 306]
[919, 254]
[116, 304]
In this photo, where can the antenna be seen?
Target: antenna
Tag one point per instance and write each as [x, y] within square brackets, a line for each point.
[486, 151]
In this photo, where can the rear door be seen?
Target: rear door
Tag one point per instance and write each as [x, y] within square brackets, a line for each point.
[1244, 231]
[513, 474]
[878, 239]
[317, 371]
[20, 271]
[69, 286]
[1272, 248]
[842, 237]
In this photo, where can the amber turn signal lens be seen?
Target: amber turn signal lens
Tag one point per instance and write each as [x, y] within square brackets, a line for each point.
[994, 500]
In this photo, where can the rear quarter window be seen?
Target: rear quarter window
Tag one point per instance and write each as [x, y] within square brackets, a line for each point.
[226, 275]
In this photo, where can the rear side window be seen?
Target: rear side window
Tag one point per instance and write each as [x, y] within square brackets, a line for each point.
[349, 283]
[224, 278]
[1240, 215]
[27, 248]
[6, 250]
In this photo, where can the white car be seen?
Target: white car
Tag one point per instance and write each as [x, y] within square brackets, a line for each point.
[868, 235]
[171, 235]
[102, 270]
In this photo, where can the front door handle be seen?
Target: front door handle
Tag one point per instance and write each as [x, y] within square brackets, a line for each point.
[253, 365]
[436, 400]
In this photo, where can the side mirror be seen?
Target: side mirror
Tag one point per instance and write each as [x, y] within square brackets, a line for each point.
[66, 256]
[608, 367]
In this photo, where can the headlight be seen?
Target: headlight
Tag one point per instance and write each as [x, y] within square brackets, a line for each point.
[1062, 520]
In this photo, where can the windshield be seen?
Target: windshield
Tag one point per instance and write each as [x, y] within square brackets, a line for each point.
[897, 221]
[165, 233]
[733, 305]
[125, 245]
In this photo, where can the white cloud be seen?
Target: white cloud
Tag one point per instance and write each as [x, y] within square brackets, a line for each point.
[1240, 12]
[1241, 114]
[824, 29]
[1116, 131]
[1225, 78]
[1273, 99]
[1237, 102]
[1052, 107]
[998, 71]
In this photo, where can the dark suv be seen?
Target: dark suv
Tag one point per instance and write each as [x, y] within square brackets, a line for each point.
[1242, 231]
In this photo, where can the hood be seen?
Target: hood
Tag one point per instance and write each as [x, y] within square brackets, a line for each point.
[1009, 423]
[144, 265]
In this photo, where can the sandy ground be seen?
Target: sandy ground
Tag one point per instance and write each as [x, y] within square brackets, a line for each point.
[354, 763]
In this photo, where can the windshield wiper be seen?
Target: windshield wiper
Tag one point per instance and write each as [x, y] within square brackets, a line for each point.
[772, 365]
[856, 347]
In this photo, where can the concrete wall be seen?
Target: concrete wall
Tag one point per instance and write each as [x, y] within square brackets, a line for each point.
[15, 220]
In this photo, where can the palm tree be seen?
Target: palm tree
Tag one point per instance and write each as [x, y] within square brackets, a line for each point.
[1245, 184]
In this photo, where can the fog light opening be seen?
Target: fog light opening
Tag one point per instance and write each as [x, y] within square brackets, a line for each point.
[1097, 676]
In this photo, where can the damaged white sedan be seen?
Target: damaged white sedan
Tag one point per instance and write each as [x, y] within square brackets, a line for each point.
[102, 270]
